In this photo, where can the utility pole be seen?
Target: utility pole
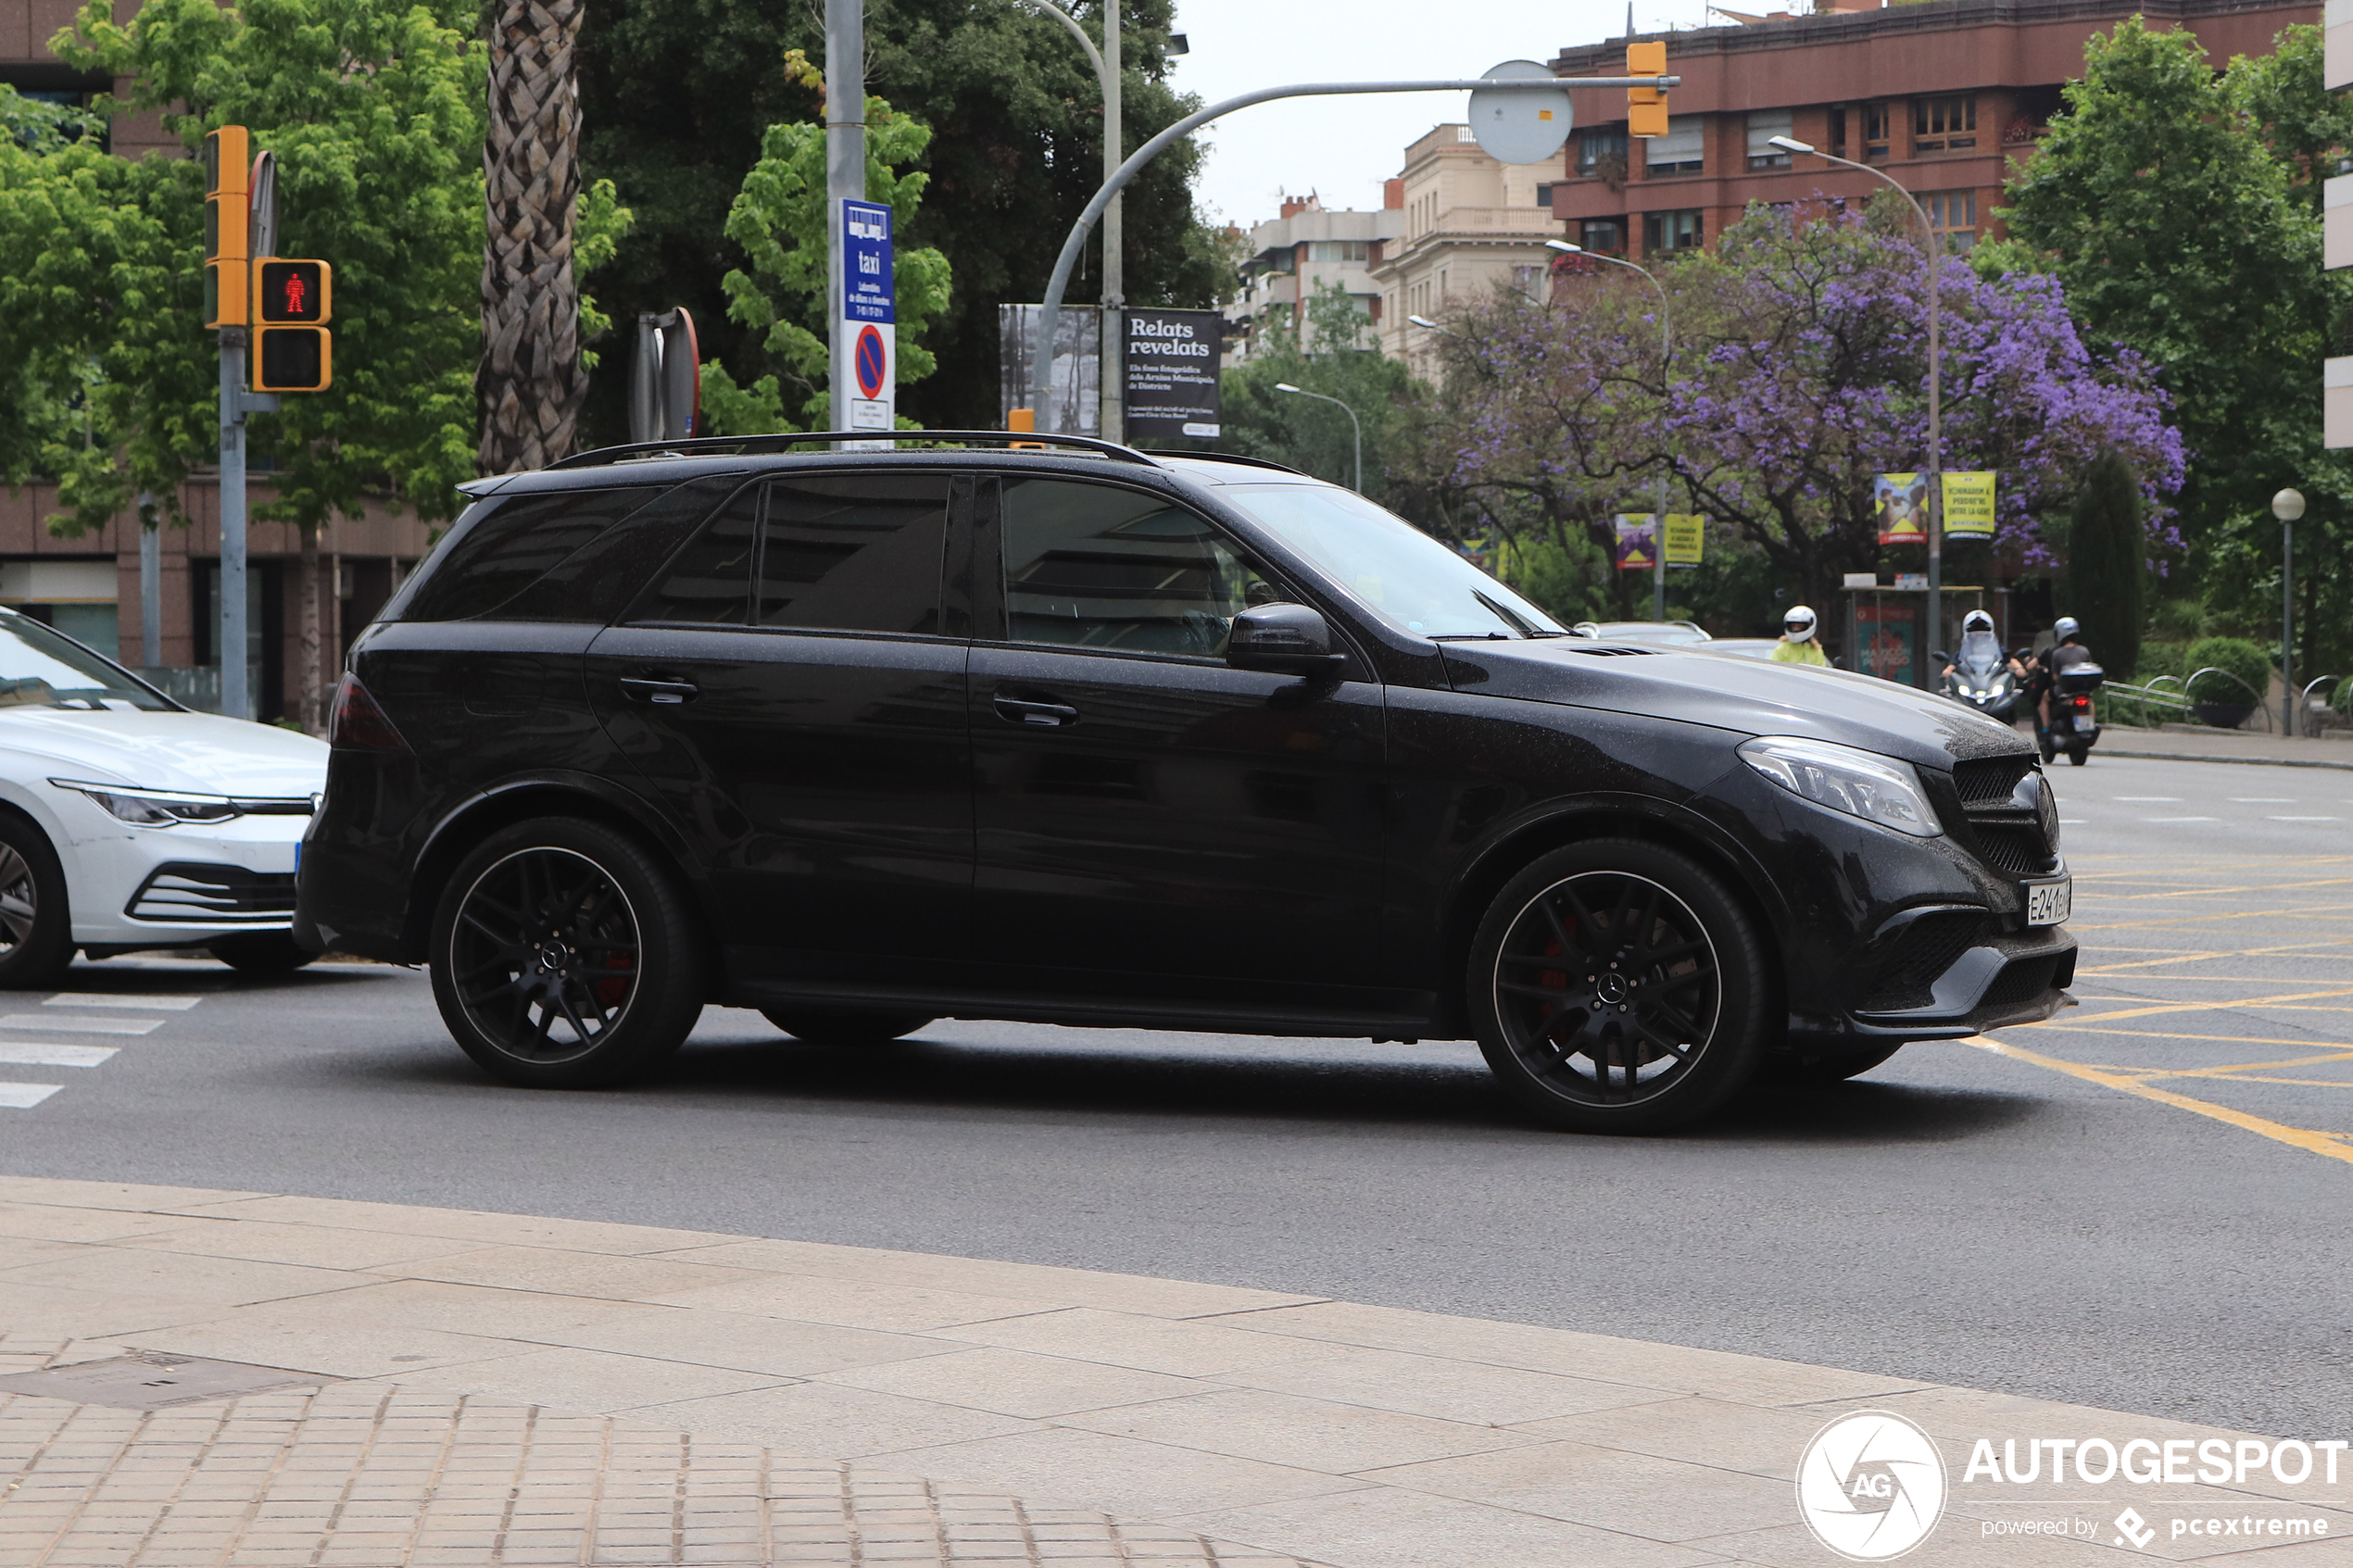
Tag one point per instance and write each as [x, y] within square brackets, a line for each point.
[1112, 370]
[845, 182]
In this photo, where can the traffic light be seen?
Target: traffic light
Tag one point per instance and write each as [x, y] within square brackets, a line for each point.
[293, 302]
[227, 176]
[1646, 106]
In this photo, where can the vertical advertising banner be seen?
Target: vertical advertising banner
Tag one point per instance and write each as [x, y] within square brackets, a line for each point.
[1686, 536]
[1887, 633]
[1637, 541]
[1172, 373]
[1073, 404]
[1901, 502]
[1969, 505]
[870, 315]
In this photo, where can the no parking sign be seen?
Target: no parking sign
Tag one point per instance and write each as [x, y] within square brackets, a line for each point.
[870, 315]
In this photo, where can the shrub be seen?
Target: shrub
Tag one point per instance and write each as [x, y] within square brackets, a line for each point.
[2236, 657]
[2158, 659]
[2343, 700]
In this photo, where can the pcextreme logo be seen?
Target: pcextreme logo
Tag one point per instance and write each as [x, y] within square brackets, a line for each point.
[1871, 1486]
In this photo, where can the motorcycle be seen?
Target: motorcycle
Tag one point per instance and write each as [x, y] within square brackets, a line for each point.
[1981, 677]
[2072, 728]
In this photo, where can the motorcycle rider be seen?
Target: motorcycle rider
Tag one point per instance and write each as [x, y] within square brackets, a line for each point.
[2065, 652]
[1977, 634]
[1797, 644]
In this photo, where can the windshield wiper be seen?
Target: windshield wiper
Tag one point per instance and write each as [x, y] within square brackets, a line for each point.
[1469, 637]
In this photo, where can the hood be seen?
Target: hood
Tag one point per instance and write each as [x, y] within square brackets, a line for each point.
[202, 753]
[1746, 696]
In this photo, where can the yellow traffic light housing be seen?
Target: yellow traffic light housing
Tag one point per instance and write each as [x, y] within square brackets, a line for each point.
[293, 359]
[227, 195]
[1646, 106]
[293, 302]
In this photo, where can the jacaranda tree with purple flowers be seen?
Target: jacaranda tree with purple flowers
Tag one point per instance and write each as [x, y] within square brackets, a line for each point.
[1799, 372]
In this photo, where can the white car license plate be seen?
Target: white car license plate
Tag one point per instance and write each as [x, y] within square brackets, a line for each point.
[2049, 903]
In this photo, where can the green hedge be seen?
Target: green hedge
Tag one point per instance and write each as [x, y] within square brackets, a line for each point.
[2239, 657]
[2343, 700]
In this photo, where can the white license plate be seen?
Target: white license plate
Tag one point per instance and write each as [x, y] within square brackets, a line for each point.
[2049, 903]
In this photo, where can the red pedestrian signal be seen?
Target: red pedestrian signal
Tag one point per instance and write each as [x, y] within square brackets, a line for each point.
[293, 302]
[293, 291]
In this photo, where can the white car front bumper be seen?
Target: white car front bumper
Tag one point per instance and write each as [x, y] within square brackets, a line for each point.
[181, 885]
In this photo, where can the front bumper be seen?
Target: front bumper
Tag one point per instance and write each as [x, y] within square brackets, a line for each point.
[178, 886]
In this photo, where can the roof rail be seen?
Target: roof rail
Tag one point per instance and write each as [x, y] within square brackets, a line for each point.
[750, 445]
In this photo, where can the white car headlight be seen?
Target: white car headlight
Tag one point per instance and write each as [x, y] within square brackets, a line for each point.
[155, 807]
[1861, 783]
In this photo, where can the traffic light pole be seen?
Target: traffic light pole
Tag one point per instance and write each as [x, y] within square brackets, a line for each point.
[237, 683]
[1050, 313]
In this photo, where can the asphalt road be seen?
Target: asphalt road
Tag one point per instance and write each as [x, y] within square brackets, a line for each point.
[2167, 1237]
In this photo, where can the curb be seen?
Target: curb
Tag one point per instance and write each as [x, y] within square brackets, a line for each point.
[2240, 761]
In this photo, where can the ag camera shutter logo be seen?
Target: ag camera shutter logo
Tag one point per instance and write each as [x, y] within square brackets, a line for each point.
[1871, 1486]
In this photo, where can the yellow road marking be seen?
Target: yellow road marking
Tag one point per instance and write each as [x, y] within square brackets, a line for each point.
[2160, 1034]
[2210, 1006]
[2226, 1070]
[2335, 1146]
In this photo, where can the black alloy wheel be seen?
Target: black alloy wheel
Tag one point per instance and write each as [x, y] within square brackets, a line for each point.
[1618, 987]
[563, 955]
[819, 1026]
[36, 935]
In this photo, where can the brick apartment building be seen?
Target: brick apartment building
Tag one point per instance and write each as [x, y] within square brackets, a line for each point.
[90, 587]
[1941, 95]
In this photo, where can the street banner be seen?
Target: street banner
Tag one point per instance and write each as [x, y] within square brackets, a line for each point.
[870, 315]
[1075, 404]
[1901, 502]
[1637, 541]
[1172, 373]
[1969, 505]
[1686, 534]
[1886, 632]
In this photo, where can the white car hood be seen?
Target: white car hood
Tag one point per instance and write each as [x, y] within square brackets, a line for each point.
[203, 753]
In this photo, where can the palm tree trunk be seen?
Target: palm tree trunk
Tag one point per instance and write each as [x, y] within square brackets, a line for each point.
[531, 382]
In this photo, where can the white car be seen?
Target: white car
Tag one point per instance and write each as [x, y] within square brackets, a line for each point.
[129, 823]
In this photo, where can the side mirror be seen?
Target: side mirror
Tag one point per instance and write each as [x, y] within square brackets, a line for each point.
[1940, 655]
[1283, 640]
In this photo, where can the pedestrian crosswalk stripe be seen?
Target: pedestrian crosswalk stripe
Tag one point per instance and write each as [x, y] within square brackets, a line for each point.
[69, 1024]
[37, 1053]
[114, 1000]
[24, 1096]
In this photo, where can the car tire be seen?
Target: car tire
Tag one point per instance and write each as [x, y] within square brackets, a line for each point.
[818, 1026]
[1662, 986]
[565, 956]
[263, 953]
[36, 915]
[1820, 1067]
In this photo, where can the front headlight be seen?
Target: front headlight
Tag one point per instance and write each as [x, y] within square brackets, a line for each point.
[1861, 783]
[155, 807]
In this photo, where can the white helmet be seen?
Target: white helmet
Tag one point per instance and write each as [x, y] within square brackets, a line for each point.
[1798, 623]
[2064, 628]
[1977, 621]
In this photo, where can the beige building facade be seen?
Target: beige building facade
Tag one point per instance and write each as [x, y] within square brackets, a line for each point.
[1305, 248]
[1468, 225]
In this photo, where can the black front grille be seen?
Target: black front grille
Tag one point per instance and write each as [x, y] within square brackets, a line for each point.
[1923, 951]
[2022, 981]
[201, 893]
[1989, 781]
[2013, 848]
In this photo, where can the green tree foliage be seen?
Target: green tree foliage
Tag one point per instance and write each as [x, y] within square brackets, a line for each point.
[778, 219]
[2246, 665]
[677, 100]
[1331, 353]
[2108, 563]
[2181, 210]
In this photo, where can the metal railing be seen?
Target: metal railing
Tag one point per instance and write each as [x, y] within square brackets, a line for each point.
[2179, 704]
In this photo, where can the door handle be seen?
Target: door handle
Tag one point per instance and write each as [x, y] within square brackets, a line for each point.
[662, 694]
[1015, 711]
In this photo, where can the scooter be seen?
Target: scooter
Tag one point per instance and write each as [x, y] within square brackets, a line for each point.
[1982, 677]
[2072, 728]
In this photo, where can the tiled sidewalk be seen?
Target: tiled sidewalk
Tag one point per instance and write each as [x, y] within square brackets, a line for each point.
[500, 1390]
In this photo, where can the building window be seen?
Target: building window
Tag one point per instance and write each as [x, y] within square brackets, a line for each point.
[1604, 236]
[1544, 197]
[1678, 152]
[1602, 155]
[1942, 124]
[1763, 126]
[1953, 214]
[1529, 281]
[1875, 120]
[1663, 232]
[1838, 132]
[1338, 250]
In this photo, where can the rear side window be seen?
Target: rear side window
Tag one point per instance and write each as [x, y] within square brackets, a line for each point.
[1096, 566]
[513, 548]
[820, 552]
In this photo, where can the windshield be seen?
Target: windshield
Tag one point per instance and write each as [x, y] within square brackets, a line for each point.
[40, 669]
[1403, 576]
[1980, 651]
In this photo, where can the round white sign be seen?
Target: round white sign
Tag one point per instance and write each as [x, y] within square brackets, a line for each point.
[1871, 1486]
[1520, 126]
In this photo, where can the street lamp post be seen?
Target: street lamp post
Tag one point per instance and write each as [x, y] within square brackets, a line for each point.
[1111, 370]
[1665, 354]
[1352, 422]
[2287, 506]
[1935, 377]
